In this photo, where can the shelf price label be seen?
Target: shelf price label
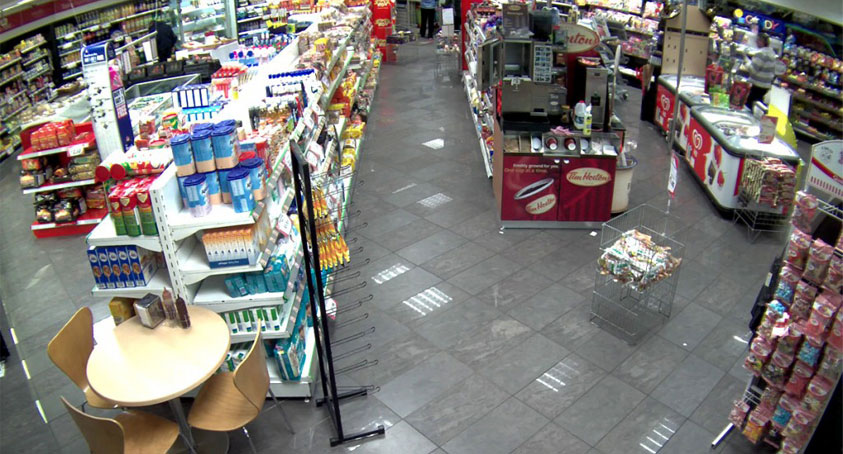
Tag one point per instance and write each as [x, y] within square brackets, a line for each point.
[674, 175]
[76, 150]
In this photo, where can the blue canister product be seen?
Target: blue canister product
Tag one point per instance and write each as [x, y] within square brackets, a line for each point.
[226, 145]
[239, 180]
[257, 175]
[203, 151]
[203, 126]
[182, 190]
[225, 187]
[197, 195]
[213, 182]
[182, 155]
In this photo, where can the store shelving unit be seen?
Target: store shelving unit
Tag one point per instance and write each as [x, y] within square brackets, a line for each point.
[480, 113]
[105, 235]
[156, 285]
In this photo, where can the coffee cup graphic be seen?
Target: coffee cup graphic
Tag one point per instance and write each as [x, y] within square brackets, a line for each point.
[538, 197]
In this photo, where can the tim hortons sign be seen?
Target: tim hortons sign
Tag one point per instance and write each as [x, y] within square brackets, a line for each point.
[588, 177]
[577, 38]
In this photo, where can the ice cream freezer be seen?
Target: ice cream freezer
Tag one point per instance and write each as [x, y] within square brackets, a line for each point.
[719, 142]
[666, 97]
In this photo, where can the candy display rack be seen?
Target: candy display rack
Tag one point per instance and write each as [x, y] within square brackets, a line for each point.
[638, 273]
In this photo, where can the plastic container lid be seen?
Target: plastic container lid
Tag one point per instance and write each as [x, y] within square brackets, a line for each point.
[194, 180]
[251, 163]
[246, 155]
[232, 123]
[238, 173]
[222, 130]
[202, 126]
[180, 139]
[200, 134]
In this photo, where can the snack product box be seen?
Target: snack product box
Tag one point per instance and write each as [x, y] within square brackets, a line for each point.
[144, 264]
[105, 266]
[116, 272]
[121, 309]
[125, 266]
[99, 277]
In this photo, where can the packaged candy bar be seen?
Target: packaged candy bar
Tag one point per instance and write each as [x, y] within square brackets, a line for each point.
[821, 313]
[761, 347]
[783, 412]
[803, 298]
[810, 352]
[738, 414]
[800, 421]
[819, 258]
[774, 311]
[831, 365]
[769, 399]
[799, 378]
[835, 336]
[797, 249]
[788, 279]
[775, 374]
[805, 207]
[834, 277]
[756, 425]
[817, 393]
[789, 343]
[753, 364]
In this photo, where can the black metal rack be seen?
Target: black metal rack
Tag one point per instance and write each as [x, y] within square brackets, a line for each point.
[332, 393]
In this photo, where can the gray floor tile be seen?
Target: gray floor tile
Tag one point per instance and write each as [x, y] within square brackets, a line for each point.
[717, 403]
[689, 327]
[514, 290]
[546, 306]
[649, 421]
[452, 262]
[394, 358]
[487, 342]
[502, 239]
[403, 197]
[418, 386]
[686, 387]
[650, 364]
[406, 235]
[484, 274]
[386, 223]
[436, 244]
[552, 439]
[440, 297]
[478, 225]
[561, 385]
[399, 438]
[725, 344]
[722, 295]
[521, 364]
[582, 280]
[600, 409]
[532, 249]
[695, 278]
[690, 438]
[447, 328]
[457, 409]
[499, 432]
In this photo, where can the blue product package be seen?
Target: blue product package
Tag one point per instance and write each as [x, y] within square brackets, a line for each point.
[240, 283]
[231, 287]
[203, 152]
[126, 266]
[241, 190]
[213, 182]
[261, 283]
[251, 285]
[226, 147]
[257, 176]
[182, 151]
[182, 191]
[225, 186]
[267, 279]
[96, 269]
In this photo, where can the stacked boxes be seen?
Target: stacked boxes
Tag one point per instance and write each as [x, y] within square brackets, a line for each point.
[266, 319]
[191, 96]
[275, 278]
[122, 266]
[290, 353]
[232, 246]
[130, 207]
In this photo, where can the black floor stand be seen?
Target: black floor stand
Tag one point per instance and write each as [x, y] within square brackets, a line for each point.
[332, 396]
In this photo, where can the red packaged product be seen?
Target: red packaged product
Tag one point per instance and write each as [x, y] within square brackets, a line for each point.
[805, 207]
[803, 298]
[797, 248]
[821, 313]
[819, 258]
[769, 399]
[789, 343]
[756, 425]
[738, 414]
[832, 363]
[834, 277]
[835, 336]
[762, 348]
[817, 393]
[799, 379]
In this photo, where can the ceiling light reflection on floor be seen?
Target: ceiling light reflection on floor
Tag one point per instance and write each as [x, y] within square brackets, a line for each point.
[427, 301]
[554, 375]
[389, 273]
[435, 200]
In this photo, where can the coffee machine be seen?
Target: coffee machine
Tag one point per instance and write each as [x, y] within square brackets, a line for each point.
[591, 84]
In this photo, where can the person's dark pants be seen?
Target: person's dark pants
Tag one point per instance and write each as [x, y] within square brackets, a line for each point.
[755, 94]
[427, 16]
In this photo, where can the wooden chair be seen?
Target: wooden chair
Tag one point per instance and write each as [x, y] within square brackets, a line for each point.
[70, 349]
[132, 432]
[230, 400]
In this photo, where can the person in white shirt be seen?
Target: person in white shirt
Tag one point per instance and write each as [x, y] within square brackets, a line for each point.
[763, 68]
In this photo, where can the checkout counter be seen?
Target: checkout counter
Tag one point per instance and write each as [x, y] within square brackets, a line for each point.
[549, 171]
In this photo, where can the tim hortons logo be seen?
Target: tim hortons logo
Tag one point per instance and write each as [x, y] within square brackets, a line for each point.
[579, 38]
[541, 205]
[697, 138]
[588, 176]
[665, 102]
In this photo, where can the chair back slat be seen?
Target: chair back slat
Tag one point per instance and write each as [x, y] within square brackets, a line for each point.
[72, 346]
[104, 435]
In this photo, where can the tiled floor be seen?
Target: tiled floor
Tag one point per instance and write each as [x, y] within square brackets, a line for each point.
[482, 336]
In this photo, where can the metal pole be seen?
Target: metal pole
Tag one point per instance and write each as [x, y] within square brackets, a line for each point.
[672, 132]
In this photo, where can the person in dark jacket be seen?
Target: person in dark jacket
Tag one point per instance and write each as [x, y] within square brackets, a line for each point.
[428, 15]
[165, 40]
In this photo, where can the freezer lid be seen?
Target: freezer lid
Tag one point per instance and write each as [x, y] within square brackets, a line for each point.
[718, 121]
[689, 83]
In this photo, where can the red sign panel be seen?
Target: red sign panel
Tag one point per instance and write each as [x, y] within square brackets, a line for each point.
[530, 188]
[664, 107]
[699, 145]
[586, 188]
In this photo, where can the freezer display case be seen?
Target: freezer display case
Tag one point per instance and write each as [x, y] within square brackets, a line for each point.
[203, 21]
[666, 97]
[719, 142]
[151, 99]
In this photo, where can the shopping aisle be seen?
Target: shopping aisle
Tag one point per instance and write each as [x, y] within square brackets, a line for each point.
[482, 341]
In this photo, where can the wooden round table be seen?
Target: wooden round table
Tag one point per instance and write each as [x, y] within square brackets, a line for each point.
[136, 366]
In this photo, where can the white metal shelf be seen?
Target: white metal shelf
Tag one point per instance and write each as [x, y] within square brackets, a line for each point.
[288, 320]
[156, 285]
[9, 63]
[484, 152]
[34, 46]
[53, 187]
[32, 60]
[105, 235]
[183, 224]
[14, 77]
[194, 266]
